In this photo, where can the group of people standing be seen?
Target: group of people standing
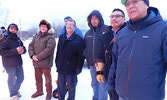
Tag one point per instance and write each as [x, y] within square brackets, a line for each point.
[127, 60]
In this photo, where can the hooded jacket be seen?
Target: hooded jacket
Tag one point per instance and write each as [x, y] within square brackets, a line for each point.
[10, 57]
[139, 56]
[43, 46]
[92, 36]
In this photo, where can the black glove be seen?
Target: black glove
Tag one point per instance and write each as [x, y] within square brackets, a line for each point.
[113, 95]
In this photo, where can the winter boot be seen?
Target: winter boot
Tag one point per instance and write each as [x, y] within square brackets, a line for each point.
[48, 96]
[36, 94]
[18, 95]
[14, 98]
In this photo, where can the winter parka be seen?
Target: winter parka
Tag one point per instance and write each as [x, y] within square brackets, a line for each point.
[139, 54]
[69, 57]
[43, 46]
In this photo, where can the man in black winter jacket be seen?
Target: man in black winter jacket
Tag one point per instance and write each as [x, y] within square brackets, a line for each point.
[69, 60]
[94, 60]
[11, 49]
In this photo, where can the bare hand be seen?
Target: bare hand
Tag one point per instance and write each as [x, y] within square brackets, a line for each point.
[35, 58]
[20, 50]
[3, 70]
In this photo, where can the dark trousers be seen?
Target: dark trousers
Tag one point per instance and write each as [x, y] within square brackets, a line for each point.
[39, 71]
[15, 79]
[71, 80]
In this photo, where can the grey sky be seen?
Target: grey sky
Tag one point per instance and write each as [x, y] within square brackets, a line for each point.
[32, 11]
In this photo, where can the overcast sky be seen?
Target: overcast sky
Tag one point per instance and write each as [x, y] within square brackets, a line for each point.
[32, 11]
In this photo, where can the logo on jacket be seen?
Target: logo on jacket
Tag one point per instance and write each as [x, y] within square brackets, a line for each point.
[103, 32]
[145, 37]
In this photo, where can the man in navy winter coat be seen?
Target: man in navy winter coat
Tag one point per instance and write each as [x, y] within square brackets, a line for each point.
[11, 49]
[139, 54]
[69, 60]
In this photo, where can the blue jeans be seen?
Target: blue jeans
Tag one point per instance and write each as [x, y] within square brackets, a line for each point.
[71, 80]
[100, 89]
[15, 78]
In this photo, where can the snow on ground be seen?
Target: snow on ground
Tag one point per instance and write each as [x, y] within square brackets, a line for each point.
[83, 89]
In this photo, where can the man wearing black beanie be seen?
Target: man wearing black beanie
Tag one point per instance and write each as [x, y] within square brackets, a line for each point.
[139, 54]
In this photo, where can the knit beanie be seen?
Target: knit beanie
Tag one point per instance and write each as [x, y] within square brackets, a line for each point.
[146, 1]
[67, 17]
[44, 22]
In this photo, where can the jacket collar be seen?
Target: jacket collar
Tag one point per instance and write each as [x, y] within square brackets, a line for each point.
[71, 37]
[152, 16]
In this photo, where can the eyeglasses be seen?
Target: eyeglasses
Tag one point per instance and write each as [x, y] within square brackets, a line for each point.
[69, 25]
[116, 16]
[43, 26]
[134, 2]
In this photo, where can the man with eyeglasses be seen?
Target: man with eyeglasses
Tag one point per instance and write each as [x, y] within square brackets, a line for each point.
[117, 22]
[138, 70]
[77, 30]
[69, 60]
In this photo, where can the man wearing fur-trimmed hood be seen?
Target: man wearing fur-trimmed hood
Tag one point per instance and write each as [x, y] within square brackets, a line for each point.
[41, 51]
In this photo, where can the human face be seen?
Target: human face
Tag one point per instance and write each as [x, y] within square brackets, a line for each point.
[13, 29]
[43, 28]
[117, 19]
[94, 21]
[70, 27]
[136, 9]
[2, 30]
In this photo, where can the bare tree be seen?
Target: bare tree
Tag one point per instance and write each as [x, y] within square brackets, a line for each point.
[29, 33]
[4, 15]
[57, 28]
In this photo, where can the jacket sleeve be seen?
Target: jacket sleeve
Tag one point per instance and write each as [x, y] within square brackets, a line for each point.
[31, 48]
[57, 52]
[99, 50]
[112, 71]
[48, 50]
[80, 57]
[165, 50]
[22, 45]
[4, 51]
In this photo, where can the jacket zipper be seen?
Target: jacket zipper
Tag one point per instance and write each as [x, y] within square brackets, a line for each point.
[129, 65]
[93, 46]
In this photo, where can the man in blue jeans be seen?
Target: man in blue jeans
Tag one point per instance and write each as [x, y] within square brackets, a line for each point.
[11, 49]
[93, 39]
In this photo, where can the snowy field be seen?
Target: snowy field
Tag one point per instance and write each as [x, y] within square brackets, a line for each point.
[83, 89]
